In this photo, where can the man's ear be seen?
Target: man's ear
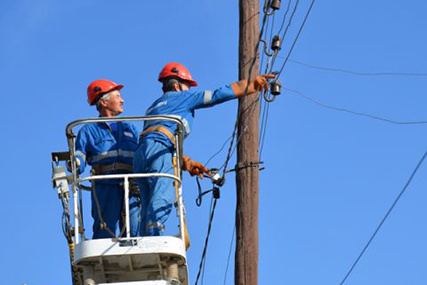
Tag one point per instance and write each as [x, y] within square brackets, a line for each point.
[177, 86]
[102, 102]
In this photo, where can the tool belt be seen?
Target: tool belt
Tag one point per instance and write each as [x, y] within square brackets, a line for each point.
[158, 129]
[116, 166]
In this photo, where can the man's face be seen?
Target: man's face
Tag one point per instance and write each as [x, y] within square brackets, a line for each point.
[114, 106]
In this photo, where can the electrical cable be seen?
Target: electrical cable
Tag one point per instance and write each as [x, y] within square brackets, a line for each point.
[264, 131]
[284, 17]
[296, 38]
[358, 72]
[385, 217]
[219, 151]
[273, 61]
[202, 261]
[265, 116]
[229, 253]
[290, 19]
[354, 112]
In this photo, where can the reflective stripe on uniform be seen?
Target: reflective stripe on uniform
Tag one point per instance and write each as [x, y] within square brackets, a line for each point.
[81, 154]
[111, 153]
[184, 121]
[186, 127]
[208, 97]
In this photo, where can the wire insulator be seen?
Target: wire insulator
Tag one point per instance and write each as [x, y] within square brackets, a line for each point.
[275, 5]
[275, 88]
[276, 44]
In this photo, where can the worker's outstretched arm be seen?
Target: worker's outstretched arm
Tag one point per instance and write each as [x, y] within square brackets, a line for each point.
[194, 167]
[259, 83]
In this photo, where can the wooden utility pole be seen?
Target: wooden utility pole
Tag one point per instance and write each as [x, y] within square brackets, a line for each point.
[246, 259]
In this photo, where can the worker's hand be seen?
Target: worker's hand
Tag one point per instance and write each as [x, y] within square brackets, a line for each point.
[69, 164]
[260, 82]
[194, 167]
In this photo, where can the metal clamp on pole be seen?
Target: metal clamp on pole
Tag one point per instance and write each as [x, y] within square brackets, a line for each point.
[247, 164]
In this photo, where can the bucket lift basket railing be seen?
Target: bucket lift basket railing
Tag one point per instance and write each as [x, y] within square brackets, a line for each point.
[76, 181]
[138, 259]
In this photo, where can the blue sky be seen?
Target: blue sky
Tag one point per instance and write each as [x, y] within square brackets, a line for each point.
[330, 176]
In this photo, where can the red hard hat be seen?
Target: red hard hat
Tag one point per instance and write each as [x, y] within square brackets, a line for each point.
[96, 89]
[177, 70]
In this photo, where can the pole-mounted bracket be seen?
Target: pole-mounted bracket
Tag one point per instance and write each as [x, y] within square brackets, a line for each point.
[247, 164]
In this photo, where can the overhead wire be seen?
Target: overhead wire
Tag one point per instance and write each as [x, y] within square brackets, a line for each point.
[284, 17]
[420, 162]
[264, 106]
[353, 72]
[283, 37]
[229, 253]
[219, 151]
[355, 112]
[205, 247]
[266, 110]
[290, 19]
[296, 38]
[262, 140]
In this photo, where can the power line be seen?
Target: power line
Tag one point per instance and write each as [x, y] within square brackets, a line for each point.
[354, 112]
[296, 38]
[264, 130]
[284, 17]
[385, 218]
[205, 248]
[290, 19]
[273, 61]
[356, 72]
[229, 253]
[219, 151]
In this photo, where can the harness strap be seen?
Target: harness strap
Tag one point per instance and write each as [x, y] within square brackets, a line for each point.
[159, 129]
[116, 166]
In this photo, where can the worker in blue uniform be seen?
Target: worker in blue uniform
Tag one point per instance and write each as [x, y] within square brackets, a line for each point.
[156, 144]
[109, 148]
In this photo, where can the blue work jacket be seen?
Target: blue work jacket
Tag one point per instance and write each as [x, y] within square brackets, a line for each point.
[100, 144]
[183, 104]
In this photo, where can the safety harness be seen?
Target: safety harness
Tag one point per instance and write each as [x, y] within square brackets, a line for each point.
[158, 129]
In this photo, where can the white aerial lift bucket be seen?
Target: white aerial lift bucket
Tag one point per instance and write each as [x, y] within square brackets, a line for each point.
[127, 260]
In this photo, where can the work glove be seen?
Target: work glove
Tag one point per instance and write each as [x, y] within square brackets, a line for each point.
[259, 83]
[194, 167]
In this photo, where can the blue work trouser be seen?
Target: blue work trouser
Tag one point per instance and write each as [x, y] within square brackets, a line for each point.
[157, 193]
[110, 199]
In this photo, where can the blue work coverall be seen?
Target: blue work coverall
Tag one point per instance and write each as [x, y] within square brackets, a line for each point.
[155, 152]
[106, 144]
